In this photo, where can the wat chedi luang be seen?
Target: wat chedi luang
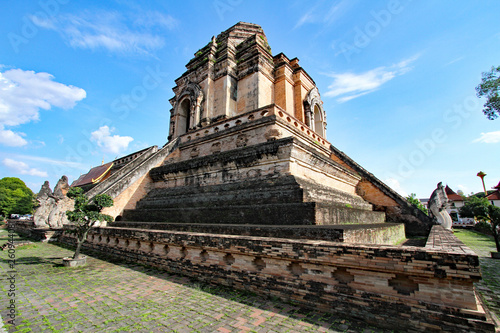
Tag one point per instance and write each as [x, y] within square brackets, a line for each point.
[252, 149]
[249, 193]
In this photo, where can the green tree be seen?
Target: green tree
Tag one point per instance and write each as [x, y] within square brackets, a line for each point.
[6, 201]
[490, 88]
[481, 209]
[86, 214]
[15, 197]
[412, 198]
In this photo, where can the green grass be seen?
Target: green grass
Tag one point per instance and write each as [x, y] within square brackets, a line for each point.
[26, 246]
[480, 243]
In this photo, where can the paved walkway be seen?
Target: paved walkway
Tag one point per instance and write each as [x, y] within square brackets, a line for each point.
[111, 296]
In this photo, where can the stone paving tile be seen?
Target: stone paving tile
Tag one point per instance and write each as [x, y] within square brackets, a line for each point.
[112, 296]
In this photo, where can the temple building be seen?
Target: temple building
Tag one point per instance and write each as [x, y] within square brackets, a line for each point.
[102, 172]
[455, 202]
[494, 197]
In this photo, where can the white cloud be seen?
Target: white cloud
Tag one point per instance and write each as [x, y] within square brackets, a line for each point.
[151, 19]
[462, 188]
[11, 139]
[307, 17]
[490, 137]
[111, 144]
[396, 186]
[348, 98]
[45, 23]
[455, 60]
[24, 93]
[350, 85]
[51, 161]
[322, 15]
[111, 31]
[23, 168]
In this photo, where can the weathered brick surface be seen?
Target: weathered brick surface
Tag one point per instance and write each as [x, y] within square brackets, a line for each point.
[259, 184]
[382, 233]
[29, 229]
[419, 289]
[443, 240]
[385, 199]
[130, 181]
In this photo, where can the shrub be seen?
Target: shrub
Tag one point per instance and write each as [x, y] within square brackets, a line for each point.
[483, 227]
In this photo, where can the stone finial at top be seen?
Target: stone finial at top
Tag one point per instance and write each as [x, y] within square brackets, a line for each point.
[61, 188]
[45, 192]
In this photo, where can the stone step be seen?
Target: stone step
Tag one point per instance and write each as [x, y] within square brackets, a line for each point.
[283, 189]
[283, 213]
[380, 233]
[215, 196]
[305, 213]
[327, 214]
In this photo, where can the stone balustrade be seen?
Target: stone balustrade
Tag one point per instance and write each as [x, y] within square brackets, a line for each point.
[270, 110]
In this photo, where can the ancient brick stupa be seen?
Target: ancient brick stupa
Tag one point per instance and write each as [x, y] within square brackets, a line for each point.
[247, 145]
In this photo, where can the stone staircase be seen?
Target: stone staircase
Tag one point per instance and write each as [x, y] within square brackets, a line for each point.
[274, 201]
[278, 207]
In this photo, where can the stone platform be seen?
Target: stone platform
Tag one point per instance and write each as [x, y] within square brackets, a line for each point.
[428, 289]
[30, 230]
[382, 233]
[109, 289]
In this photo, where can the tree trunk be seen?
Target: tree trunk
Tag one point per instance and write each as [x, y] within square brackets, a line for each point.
[78, 247]
[79, 242]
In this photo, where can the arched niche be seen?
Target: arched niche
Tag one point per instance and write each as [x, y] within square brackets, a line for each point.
[183, 115]
[314, 115]
[187, 109]
[319, 124]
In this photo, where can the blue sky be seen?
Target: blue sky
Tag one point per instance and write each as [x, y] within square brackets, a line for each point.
[87, 81]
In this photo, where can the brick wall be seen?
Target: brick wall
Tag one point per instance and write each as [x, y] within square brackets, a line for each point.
[383, 233]
[409, 288]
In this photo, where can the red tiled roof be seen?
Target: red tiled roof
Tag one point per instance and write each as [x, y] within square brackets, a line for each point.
[494, 196]
[94, 175]
[452, 195]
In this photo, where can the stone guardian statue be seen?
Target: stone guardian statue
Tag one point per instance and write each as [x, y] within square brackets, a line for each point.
[53, 205]
[437, 206]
